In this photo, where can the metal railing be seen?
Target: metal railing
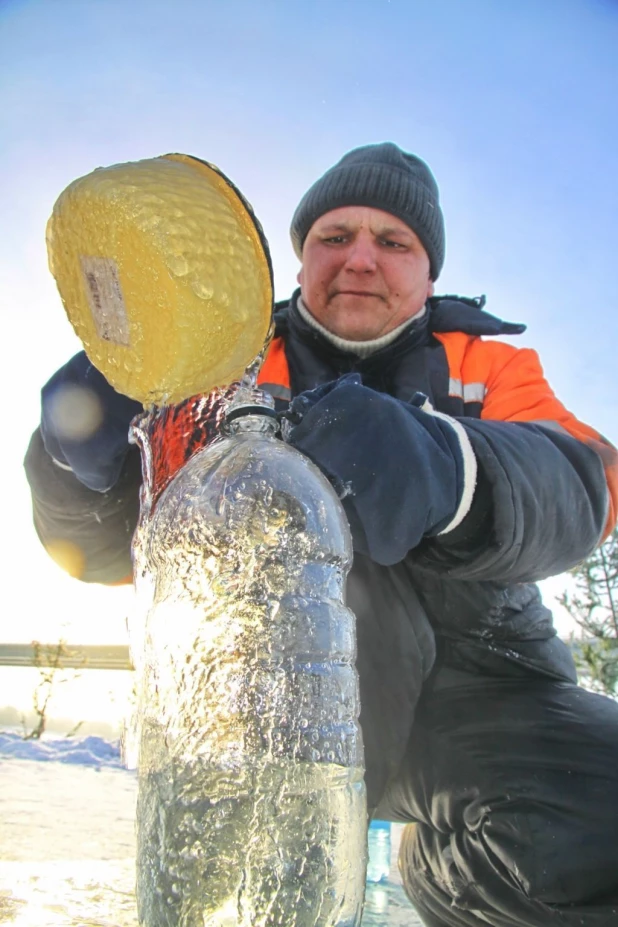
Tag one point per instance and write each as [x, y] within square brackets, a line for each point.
[67, 656]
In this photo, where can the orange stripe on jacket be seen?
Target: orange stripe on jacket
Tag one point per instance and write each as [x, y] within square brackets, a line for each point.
[517, 391]
[275, 368]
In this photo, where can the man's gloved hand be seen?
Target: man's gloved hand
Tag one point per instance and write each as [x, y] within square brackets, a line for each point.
[402, 471]
[85, 423]
[302, 403]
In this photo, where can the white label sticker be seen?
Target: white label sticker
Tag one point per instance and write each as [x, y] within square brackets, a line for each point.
[105, 299]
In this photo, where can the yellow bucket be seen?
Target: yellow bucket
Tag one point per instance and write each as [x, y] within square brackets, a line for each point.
[165, 275]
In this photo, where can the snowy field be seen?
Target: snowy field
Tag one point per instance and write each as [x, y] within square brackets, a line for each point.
[67, 845]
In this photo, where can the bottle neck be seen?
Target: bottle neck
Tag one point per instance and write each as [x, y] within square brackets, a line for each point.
[253, 421]
[251, 410]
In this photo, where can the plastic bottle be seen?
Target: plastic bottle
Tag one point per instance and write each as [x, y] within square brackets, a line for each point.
[252, 809]
[379, 840]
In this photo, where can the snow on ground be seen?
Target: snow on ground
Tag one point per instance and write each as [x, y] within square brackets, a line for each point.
[67, 843]
[89, 751]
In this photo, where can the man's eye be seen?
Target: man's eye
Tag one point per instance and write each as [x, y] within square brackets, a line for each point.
[388, 243]
[334, 239]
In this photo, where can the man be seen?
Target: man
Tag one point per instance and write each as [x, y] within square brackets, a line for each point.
[464, 481]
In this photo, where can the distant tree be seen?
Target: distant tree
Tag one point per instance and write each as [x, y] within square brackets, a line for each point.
[48, 659]
[593, 605]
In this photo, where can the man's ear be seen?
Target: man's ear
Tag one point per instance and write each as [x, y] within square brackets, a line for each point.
[299, 276]
[430, 289]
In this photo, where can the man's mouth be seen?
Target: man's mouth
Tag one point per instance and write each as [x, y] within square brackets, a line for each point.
[356, 293]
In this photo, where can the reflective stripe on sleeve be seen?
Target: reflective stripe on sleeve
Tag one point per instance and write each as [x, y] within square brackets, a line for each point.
[470, 466]
[469, 392]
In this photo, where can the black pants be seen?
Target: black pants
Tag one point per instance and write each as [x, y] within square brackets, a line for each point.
[476, 908]
[514, 788]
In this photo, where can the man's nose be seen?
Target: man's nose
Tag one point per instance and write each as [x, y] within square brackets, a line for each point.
[361, 257]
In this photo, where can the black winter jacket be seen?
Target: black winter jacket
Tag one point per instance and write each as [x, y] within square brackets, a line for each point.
[474, 727]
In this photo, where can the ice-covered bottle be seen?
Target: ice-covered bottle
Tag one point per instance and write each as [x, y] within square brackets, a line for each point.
[252, 809]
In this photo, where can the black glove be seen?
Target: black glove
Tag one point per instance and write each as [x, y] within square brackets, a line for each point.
[402, 471]
[85, 423]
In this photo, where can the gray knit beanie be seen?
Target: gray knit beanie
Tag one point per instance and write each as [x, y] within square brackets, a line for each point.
[384, 177]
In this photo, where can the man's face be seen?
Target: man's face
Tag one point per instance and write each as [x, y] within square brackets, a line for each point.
[364, 272]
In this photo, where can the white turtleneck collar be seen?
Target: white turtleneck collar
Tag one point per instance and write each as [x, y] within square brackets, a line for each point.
[360, 348]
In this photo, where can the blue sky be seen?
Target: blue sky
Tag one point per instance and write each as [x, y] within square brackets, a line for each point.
[513, 103]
